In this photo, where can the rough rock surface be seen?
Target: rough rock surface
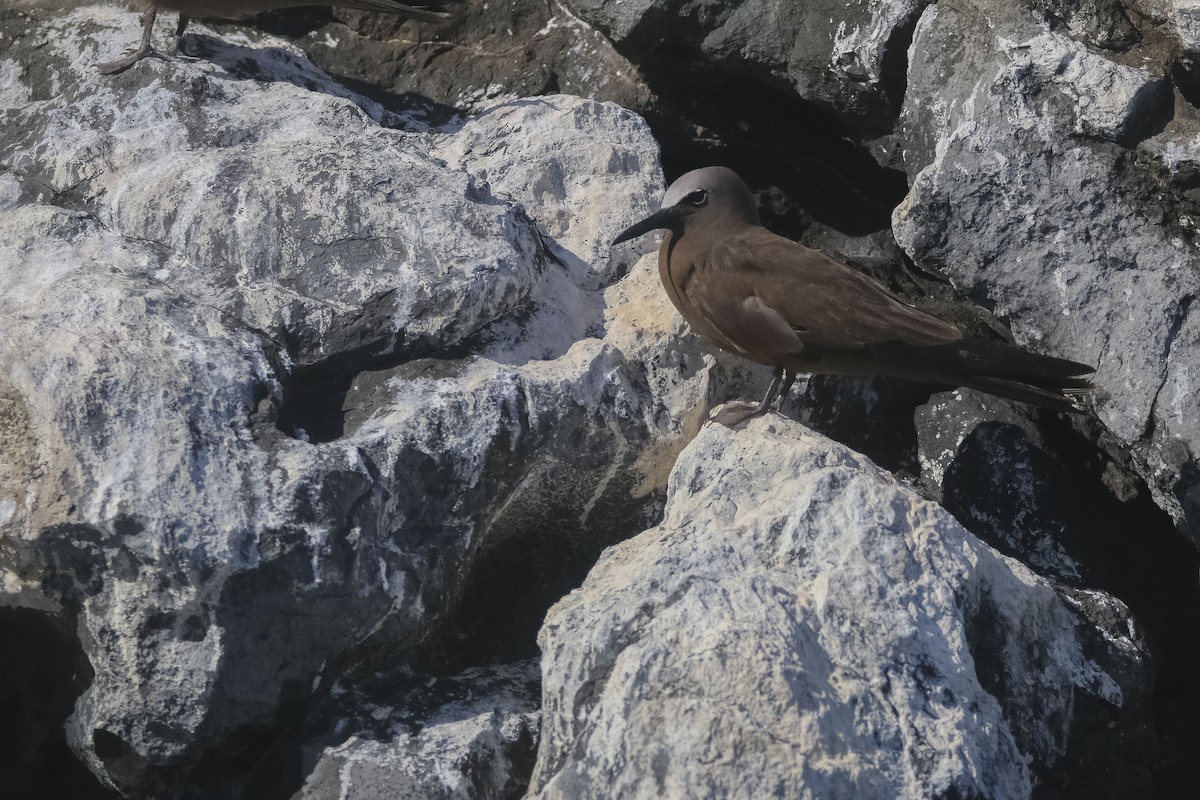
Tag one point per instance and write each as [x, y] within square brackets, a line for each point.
[801, 625]
[453, 739]
[846, 57]
[283, 442]
[1018, 140]
[745, 111]
[268, 405]
[491, 52]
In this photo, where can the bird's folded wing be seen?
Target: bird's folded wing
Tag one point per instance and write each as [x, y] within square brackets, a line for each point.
[424, 10]
[771, 295]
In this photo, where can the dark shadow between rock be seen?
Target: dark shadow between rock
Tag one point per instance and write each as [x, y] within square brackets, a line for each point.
[1063, 495]
[278, 65]
[43, 670]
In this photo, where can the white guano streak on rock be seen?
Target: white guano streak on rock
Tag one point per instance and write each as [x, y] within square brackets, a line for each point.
[617, 464]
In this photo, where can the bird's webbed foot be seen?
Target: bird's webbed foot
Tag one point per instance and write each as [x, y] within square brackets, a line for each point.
[735, 412]
[144, 49]
[122, 64]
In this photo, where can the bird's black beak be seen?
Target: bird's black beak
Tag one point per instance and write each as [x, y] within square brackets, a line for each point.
[660, 219]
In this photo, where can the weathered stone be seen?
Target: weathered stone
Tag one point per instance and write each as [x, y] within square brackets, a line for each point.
[280, 381]
[470, 737]
[799, 624]
[392, 342]
[845, 57]
[493, 51]
[1024, 195]
[1185, 18]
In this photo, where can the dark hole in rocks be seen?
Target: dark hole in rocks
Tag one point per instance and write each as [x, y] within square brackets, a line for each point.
[893, 68]
[258, 762]
[313, 407]
[1124, 545]
[542, 548]
[312, 401]
[770, 137]
[327, 362]
[511, 588]
[108, 745]
[871, 415]
[42, 672]
[1185, 74]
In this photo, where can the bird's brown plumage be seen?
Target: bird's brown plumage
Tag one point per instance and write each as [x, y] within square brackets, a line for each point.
[779, 303]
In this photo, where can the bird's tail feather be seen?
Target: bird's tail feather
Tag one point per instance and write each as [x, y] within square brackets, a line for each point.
[1059, 400]
[992, 359]
[994, 367]
[423, 10]
[1001, 360]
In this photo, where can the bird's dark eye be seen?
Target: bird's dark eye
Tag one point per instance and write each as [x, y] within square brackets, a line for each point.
[698, 197]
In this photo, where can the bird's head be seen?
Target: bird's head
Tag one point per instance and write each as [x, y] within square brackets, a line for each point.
[709, 197]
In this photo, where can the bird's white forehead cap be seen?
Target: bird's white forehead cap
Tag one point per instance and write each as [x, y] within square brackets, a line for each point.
[685, 185]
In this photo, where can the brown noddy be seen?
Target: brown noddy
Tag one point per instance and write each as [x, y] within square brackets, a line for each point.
[424, 10]
[777, 302]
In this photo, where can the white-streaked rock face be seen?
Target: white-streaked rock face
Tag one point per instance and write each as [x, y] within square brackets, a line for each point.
[800, 625]
[1019, 140]
[280, 375]
[292, 385]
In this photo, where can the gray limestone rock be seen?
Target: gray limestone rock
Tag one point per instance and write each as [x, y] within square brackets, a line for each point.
[845, 57]
[285, 190]
[284, 372]
[801, 625]
[312, 370]
[462, 738]
[1025, 192]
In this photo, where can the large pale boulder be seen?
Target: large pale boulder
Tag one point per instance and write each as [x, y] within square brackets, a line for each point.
[801, 625]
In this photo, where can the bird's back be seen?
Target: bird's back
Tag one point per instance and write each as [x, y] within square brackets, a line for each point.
[773, 298]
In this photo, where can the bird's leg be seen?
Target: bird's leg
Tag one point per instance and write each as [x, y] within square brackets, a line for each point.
[772, 391]
[737, 411]
[184, 19]
[789, 378]
[121, 64]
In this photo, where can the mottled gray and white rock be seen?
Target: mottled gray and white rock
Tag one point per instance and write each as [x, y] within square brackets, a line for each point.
[842, 56]
[279, 379]
[800, 625]
[1185, 18]
[469, 737]
[294, 379]
[1025, 192]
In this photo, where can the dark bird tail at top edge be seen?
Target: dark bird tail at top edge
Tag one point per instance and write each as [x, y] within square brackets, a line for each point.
[422, 10]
